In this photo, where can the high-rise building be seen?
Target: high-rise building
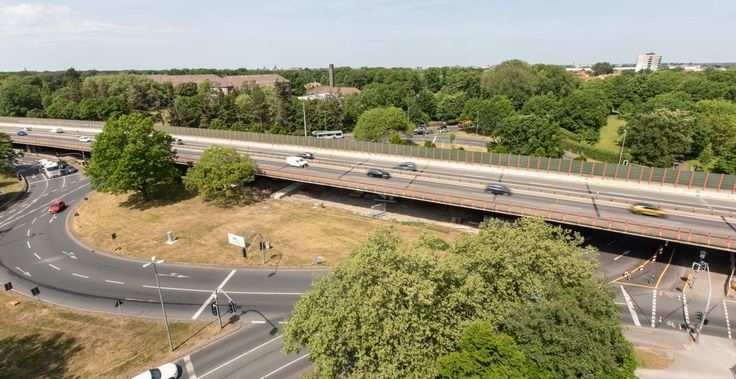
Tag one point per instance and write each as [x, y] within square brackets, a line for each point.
[648, 61]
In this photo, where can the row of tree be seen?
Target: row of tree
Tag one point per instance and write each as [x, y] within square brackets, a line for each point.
[513, 102]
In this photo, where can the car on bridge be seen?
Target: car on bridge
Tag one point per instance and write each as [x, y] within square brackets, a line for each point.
[297, 162]
[647, 209]
[378, 173]
[407, 166]
[21, 132]
[498, 189]
[305, 155]
[85, 139]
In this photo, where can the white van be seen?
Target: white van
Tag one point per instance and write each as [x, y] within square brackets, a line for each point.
[56, 130]
[297, 161]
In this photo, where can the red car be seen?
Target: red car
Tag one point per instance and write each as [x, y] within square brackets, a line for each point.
[57, 206]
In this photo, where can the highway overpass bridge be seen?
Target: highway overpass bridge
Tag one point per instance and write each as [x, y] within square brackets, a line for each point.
[701, 206]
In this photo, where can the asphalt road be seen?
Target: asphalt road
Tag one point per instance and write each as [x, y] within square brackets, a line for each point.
[36, 251]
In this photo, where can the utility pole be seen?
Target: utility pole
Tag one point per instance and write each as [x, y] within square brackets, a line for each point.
[621, 154]
[304, 116]
[161, 297]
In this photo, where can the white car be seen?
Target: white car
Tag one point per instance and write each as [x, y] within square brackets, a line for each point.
[85, 139]
[167, 371]
[297, 162]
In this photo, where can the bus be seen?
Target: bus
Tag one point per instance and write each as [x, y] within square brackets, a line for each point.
[327, 134]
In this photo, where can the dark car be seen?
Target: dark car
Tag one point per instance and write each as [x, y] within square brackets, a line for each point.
[378, 173]
[498, 189]
[21, 133]
[306, 155]
[407, 166]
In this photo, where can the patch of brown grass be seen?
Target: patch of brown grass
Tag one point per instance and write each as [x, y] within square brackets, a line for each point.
[297, 232]
[652, 358]
[10, 187]
[38, 340]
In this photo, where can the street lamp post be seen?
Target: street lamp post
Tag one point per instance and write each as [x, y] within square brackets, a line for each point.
[304, 116]
[707, 303]
[161, 297]
[621, 154]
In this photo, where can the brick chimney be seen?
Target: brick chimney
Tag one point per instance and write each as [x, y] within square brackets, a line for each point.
[331, 73]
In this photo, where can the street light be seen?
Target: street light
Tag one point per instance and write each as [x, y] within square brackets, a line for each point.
[707, 303]
[304, 115]
[161, 297]
[621, 154]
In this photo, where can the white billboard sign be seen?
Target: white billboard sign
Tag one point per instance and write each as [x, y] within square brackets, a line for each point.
[236, 240]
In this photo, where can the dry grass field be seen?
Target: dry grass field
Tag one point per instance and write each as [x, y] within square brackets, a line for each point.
[297, 230]
[41, 341]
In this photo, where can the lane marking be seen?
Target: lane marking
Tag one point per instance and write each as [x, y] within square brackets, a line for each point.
[622, 254]
[630, 304]
[258, 322]
[37, 256]
[239, 356]
[114, 281]
[28, 233]
[80, 276]
[26, 273]
[285, 366]
[654, 308]
[34, 220]
[728, 322]
[211, 297]
[684, 309]
[28, 243]
[190, 367]
[52, 266]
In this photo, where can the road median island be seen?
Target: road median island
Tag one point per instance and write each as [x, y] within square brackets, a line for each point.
[313, 221]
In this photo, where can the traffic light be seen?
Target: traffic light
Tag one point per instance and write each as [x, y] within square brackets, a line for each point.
[232, 306]
[699, 316]
[214, 308]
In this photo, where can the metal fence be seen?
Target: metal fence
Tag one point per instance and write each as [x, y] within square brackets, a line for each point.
[629, 173]
[660, 231]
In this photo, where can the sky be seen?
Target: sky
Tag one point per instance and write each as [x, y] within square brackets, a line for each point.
[254, 34]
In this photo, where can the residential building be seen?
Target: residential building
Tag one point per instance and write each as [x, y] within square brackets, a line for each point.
[648, 61]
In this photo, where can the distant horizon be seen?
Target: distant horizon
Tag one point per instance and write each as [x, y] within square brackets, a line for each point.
[118, 35]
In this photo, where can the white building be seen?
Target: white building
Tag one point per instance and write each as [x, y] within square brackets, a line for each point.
[648, 61]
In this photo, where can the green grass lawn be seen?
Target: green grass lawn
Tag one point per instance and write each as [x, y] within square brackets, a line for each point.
[609, 135]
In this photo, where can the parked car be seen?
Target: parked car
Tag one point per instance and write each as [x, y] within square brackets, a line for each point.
[85, 139]
[647, 209]
[57, 206]
[407, 166]
[21, 133]
[297, 162]
[166, 371]
[306, 155]
[498, 189]
[378, 173]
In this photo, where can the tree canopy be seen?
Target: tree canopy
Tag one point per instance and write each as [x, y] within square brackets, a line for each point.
[526, 135]
[221, 175]
[393, 310]
[377, 124]
[7, 153]
[656, 138]
[130, 155]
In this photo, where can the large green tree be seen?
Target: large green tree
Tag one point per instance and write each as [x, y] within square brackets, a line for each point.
[602, 68]
[515, 79]
[526, 135]
[221, 175]
[391, 309]
[377, 124]
[584, 112]
[7, 153]
[130, 155]
[656, 138]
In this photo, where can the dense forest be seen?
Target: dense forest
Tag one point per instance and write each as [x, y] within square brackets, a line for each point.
[528, 109]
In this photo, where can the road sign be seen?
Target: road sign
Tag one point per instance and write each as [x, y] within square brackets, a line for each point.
[236, 240]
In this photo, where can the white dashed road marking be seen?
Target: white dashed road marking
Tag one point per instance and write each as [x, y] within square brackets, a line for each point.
[54, 267]
[190, 367]
[630, 304]
[728, 322]
[654, 308]
[80, 276]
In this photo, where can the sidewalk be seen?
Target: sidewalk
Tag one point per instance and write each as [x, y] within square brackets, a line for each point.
[710, 357]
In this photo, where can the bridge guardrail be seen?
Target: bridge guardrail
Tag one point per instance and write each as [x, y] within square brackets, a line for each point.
[642, 229]
[629, 173]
